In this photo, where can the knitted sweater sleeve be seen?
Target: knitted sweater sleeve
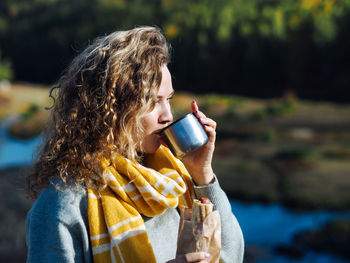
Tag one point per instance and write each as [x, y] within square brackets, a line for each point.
[232, 243]
[56, 230]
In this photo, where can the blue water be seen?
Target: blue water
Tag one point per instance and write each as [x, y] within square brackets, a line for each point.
[276, 222]
[270, 225]
[311, 257]
[265, 226]
[14, 152]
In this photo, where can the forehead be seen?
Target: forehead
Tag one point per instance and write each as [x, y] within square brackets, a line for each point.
[166, 87]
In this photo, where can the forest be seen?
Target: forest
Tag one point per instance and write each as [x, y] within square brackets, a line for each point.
[273, 74]
[253, 48]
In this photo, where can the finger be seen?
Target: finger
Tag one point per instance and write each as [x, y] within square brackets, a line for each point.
[194, 106]
[210, 132]
[196, 256]
[196, 111]
[208, 122]
[200, 115]
[209, 129]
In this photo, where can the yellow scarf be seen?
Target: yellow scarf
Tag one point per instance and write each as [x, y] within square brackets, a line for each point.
[117, 230]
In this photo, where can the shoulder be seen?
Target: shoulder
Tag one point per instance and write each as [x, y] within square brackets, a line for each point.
[60, 202]
[57, 226]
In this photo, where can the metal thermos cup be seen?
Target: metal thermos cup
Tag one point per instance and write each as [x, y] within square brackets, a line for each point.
[184, 135]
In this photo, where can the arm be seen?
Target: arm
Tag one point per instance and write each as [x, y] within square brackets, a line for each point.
[199, 165]
[49, 240]
[56, 230]
[232, 244]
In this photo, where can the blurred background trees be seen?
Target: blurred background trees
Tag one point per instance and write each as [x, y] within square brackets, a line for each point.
[5, 69]
[246, 47]
[285, 150]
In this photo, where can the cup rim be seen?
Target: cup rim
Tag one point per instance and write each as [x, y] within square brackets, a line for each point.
[171, 124]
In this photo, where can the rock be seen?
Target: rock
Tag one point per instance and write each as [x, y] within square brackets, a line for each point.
[29, 124]
[302, 133]
[334, 238]
[26, 129]
[5, 95]
[291, 251]
[254, 253]
[14, 206]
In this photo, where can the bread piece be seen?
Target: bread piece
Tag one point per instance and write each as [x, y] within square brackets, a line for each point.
[201, 209]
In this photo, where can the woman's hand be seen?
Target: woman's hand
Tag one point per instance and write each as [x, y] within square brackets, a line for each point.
[201, 257]
[198, 163]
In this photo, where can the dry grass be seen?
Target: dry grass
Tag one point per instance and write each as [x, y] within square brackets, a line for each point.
[21, 96]
[251, 133]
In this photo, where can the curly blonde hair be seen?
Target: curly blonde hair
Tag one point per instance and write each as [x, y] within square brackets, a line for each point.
[100, 102]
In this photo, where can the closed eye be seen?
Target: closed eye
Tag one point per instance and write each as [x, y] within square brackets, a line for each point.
[160, 98]
[171, 95]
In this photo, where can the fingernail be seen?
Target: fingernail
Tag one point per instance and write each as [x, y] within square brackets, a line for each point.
[206, 255]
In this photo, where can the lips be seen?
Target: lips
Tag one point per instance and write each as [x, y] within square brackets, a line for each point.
[157, 132]
[159, 136]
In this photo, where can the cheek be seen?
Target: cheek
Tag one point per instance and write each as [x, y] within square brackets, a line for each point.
[149, 122]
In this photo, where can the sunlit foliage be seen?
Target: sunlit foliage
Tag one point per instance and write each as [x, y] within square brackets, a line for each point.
[284, 44]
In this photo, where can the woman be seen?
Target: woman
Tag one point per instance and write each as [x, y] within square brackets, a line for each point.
[107, 190]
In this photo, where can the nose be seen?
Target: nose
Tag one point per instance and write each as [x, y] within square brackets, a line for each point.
[166, 116]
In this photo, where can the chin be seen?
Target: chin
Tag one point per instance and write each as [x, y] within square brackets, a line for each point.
[151, 148]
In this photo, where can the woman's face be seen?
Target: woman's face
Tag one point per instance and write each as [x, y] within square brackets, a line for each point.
[160, 116]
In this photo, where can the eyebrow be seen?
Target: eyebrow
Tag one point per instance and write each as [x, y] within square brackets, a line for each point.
[171, 94]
